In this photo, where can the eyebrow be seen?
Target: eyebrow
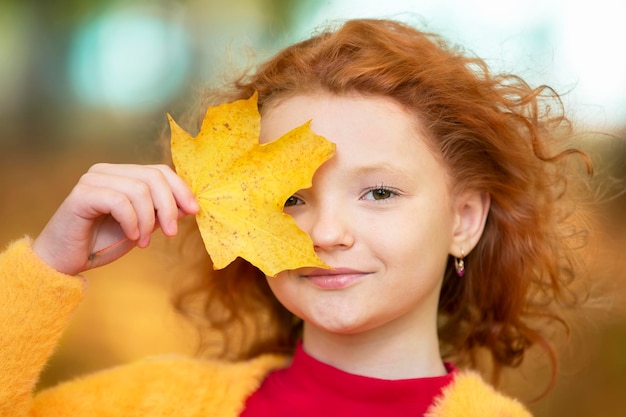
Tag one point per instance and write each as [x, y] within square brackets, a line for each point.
[381, 168]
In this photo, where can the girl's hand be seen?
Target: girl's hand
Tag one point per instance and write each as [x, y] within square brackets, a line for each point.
[112, 209]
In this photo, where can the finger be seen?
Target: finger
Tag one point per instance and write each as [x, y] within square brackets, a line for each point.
[127, 197]
[172, 197]
[96, 201]
[183, 195]
[109, 244]
[162, 190]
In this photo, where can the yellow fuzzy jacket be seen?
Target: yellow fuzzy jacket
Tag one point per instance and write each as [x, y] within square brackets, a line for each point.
[35, 307]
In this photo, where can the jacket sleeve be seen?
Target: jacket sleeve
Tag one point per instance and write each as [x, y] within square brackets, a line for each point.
[36, 303]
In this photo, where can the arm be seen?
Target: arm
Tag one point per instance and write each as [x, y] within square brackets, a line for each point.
[110, 204]
[36, 304]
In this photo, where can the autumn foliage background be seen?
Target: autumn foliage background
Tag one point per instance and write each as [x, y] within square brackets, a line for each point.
[53, 128]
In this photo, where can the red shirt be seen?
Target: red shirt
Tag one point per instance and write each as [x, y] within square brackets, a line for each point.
[312, 388]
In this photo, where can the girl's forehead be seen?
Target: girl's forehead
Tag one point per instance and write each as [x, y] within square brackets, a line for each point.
[336, 116]
[368, 131]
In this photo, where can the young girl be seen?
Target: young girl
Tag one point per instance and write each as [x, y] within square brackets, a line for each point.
[440, 214]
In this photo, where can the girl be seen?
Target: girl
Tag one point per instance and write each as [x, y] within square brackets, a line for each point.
[440, 214]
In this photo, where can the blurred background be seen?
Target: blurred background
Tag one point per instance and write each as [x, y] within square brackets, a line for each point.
[85, 82]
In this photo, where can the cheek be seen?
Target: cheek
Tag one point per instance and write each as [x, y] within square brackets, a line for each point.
[282, 289]
[414, 239]
[274, 283]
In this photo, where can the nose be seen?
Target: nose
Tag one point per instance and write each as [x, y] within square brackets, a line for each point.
[330, 227]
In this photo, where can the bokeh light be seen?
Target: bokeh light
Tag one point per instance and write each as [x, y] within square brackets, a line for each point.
[129, 58]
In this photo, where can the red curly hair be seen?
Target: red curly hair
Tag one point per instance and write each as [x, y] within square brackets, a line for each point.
[494, 134]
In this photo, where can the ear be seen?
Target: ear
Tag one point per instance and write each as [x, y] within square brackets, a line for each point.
[471, 209]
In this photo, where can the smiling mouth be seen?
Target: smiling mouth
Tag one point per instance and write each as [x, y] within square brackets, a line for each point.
[333, 279]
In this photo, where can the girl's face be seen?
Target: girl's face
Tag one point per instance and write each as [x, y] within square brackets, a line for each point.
[379, 212]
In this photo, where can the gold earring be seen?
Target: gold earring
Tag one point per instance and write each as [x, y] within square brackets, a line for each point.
[459, 264]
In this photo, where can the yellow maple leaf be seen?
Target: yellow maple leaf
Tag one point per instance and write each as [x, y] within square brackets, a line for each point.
[241, 186]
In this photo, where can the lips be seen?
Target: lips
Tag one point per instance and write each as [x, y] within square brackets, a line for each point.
[332, 279]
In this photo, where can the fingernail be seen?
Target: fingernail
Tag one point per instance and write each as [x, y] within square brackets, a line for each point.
[172, 228]
[144, 242]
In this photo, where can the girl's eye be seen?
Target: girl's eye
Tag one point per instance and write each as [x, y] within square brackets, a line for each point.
[379, 193]
[293, 201]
